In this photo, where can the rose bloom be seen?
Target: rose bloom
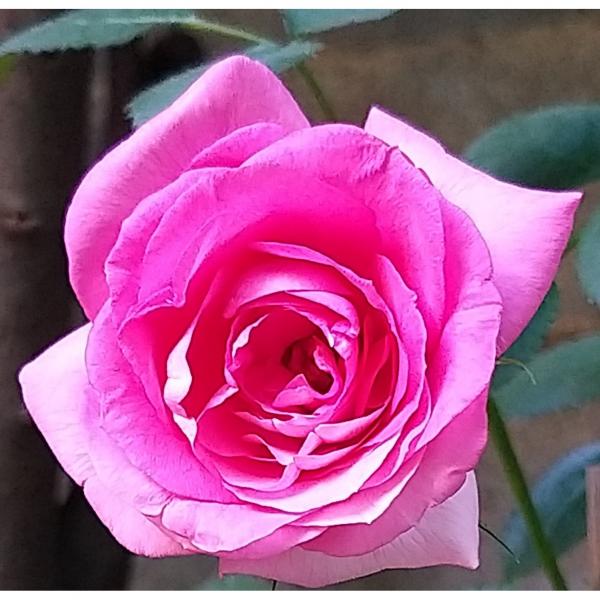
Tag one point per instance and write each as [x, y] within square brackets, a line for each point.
[292, 334]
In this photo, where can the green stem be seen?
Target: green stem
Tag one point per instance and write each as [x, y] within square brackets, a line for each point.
[218, 28]
[315, 88]
[517, 482]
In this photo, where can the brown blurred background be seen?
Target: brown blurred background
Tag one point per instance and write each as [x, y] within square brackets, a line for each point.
[454, 73]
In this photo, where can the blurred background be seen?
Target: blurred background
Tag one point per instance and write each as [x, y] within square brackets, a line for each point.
[454, 73]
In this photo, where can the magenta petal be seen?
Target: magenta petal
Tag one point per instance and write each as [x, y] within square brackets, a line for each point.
[403, 203]
[448, 534]
[56, 390]
[392, 508]
[155, 447]
[158, 153]
[334, 486]
[460, 372]
[525, 230]
[237, 147]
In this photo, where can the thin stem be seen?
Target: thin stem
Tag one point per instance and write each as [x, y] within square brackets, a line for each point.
[315, 88]
[218, 28]
[517, 482]
[274, 585]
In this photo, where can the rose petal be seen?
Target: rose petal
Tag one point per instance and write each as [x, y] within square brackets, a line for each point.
[402, 502]
[525, 230]
[402, 201]
[460, 371]
[56, 390]
[215, 527]
[281, 540]
[131, 529]
[233, 149]
[157, 448]
[447, 534]
[158, 152]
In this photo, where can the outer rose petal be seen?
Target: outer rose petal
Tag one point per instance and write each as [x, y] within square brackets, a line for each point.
[525, 230]
[158, 152]
[131, 529]
[438, 477]
[56, 393]
[447, 534]
[54, 387]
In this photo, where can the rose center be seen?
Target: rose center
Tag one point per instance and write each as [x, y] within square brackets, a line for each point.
[299, 358]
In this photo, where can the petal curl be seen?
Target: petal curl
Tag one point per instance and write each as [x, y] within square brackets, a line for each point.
[526, 230]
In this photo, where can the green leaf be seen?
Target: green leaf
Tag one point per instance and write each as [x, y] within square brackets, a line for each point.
[7, 64]
[553, 148]
[90, 28]
[588, 258]
[303, 21]
[157, 97]
[566, 375]
[530, 341]
[236, 582]
[559, 497]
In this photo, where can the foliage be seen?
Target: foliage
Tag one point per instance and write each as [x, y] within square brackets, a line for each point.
[588, 259]
[90, 28]
[302, 22]
[553, 148]
[559, 497]
[566, 376]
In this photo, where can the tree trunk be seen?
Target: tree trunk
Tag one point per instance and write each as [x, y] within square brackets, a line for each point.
[42, 139]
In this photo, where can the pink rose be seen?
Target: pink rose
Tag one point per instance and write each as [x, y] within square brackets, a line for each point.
[292, 333]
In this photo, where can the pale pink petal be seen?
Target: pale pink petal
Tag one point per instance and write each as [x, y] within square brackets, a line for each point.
[56, 392]
[281, 540]
[216, 527]
[158, 152]
[140, 512]
[525, 230]
[122, 479]
[447, 534]
[131, 528]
